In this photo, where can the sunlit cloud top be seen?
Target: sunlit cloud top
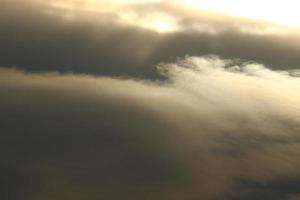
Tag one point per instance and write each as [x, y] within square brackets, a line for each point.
[168, 16]
[146, 14]
[279, 12]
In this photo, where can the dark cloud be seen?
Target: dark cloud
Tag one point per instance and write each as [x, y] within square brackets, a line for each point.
[211, 130]
[202, 128]
[34, 40]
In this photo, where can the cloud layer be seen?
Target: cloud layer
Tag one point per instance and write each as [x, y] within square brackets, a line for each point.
[85, 113]
[213, 129]
[37, 37]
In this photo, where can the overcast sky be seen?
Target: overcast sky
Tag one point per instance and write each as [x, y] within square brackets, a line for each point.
[152, 99]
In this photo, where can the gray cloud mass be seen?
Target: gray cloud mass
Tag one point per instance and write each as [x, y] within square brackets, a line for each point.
[213, 129]
[33, 40]
[99, 102]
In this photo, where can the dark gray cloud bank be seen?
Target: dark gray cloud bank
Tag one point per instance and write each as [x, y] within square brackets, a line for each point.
[83, 114]
[33, 39]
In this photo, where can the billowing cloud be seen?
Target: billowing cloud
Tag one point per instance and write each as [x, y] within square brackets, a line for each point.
[213, 129]
[85, 113]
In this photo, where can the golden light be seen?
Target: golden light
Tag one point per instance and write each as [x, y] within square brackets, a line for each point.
[124, 10]
[279, 12]
[159, 22]
[131, 12]
[162, 26]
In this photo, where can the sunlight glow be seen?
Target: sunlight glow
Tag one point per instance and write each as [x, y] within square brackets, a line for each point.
[159, 23]
[154, 14]
[162, 26]
[278, 12]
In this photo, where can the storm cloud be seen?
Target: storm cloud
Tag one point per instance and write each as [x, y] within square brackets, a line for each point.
[212, 129]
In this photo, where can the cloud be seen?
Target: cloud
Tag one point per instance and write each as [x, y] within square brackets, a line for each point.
[201, 128]
[37, 39]
[175, 15]
[294, 197]
[214, 128]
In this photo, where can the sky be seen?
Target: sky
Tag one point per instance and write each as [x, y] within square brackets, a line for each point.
[149, 99]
